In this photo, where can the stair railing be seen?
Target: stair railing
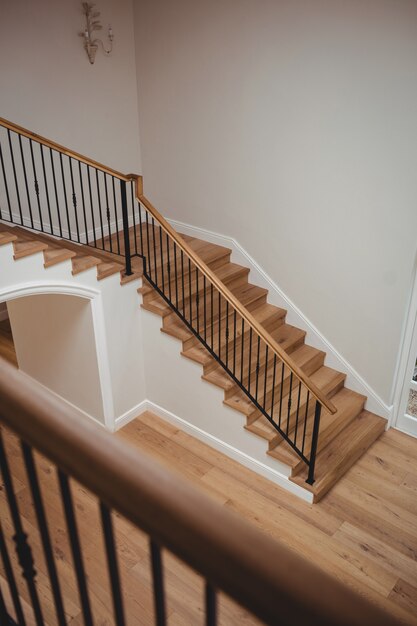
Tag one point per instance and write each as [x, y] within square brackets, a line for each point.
[64, 194]
[264, 576]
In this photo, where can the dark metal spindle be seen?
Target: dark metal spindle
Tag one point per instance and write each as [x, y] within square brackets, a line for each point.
[83, 202]
[19, 204]
[227, 333]
[5, 184]
[128, 258]
[108, 214]
[65, 195]
[182, 283]
[116, 214]
[197, 300]
[189, 291]
[211, 315]
[75, 547]
[234, 342]
[273, 386]
[91, 206]
[158, 584]
[314, 441]
[32, 475]
[205, 307]
[26, 180]
[154, 250]
[51, 156]
[4, 617]
[305, 422]
[11, 581]
[148, 244]
[242, 347]
[100, 215]
[250, 357]
[74, 201]
[265, 376]
[289, 403]
[297, 412]
[169, 269]
[257, 369]
[112, 565]
[36, 183]
[220, 324]
[281, 391]
[48, 204]
[23, 549]
[211, 605]
[161, 245]
[133, 216]
[176, 274]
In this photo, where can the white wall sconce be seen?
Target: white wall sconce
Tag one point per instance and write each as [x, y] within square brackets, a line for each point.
[92, 24]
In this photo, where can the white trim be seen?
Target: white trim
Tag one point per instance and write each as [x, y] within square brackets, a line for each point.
[47, 287]
[294, 316]
[130, 415]
[241, 457]
[103, 361]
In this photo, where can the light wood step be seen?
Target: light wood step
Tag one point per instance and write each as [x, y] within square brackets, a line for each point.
[83, 262]
[6, 237]
[23, 248]
[53, 256]
[177, 329]
[342, 453]
[349, 405]
[108, 269]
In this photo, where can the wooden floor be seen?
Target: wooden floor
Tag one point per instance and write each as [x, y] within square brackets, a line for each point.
[364, 532]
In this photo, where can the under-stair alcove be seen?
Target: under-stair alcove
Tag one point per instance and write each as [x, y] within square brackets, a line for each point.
[53, 336]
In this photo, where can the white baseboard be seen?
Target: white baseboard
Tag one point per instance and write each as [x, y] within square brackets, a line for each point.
[130, 415]
[276, 296]
[228, 450]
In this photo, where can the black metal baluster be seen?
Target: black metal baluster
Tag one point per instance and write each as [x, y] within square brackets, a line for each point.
[158, 584]
[65, 196]
[75, 547]
[36, 184]
[314, 441]
[26, 180]
[93, 221]
[305, 422]
[197, 301]
[133, 216]
[48, 204]
[189, 291]
[220, 324]
[273, 386]
[281, 391]
[265, 375]
[74, 200]
[108, 215]
[32, 475]
[83, 202]
[297, 412]
[182, 283]
[154, 250]
[4, 616]
[212, 315]
[250, 357]
[23, 549]
[19, 204]
[234, 342]
[169, 269]
[51, 156]
[116, 214]
[211, 605]
[257, 369]
[100, 210]
[289, 403]
[112, 565]
[176, 275]
[205, 307]
[148, 245]
[11, 581]
[242, 351]
[126, 234]
[140, 228]
[161, 245]
[5, 184]
[227, 333]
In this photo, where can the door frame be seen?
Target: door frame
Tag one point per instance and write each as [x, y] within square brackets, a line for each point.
[408, 348]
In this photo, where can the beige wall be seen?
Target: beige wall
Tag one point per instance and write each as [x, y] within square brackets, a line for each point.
[54, 341]
[291, 126]
[49, 86]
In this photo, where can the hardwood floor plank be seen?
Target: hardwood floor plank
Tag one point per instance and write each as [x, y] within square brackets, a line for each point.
[405, 595]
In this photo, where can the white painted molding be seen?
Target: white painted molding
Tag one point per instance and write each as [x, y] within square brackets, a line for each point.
[130, 415]
[294, 316]
[239, 456]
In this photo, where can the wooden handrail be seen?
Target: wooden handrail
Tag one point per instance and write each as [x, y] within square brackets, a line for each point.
[70, 153]
[265, 576]
[238, 306]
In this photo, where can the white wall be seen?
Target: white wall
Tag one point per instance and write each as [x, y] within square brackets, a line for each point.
[54, 341]
[49, 86]
[291, 126]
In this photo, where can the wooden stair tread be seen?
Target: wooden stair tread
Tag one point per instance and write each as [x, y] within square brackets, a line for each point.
[108, 269]
[342, 453]
[263, 428]
[6, 237]
[83, 262]
[53, 256]
[349, 405]
[25, 247]
[177, 329]
[198, 354]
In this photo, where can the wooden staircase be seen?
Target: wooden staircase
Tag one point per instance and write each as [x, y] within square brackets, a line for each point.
[343, 437]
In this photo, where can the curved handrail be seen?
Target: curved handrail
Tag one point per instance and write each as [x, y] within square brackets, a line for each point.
[70, 153]
[238, 306]
[265, 576]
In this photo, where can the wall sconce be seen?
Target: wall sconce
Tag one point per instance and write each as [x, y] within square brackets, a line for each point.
[92, 23]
